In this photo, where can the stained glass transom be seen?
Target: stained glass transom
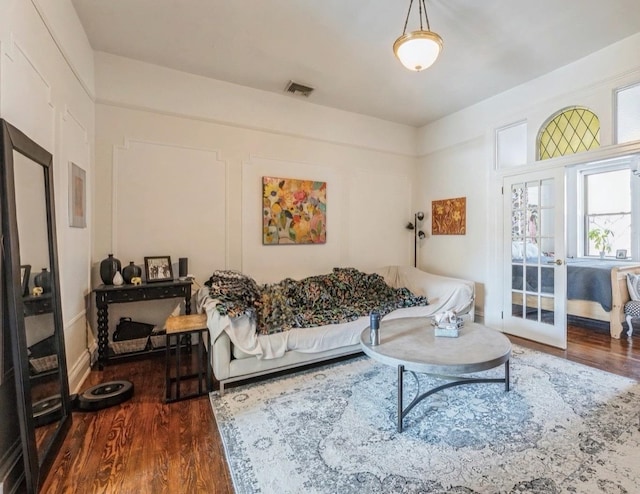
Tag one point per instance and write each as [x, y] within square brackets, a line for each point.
[572, 131]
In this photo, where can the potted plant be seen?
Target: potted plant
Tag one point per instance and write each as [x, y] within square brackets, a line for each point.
[600, 238]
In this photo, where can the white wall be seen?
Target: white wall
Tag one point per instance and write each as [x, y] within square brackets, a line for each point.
[46, 86]
[444, 174]
[180, 175]
[457, 159]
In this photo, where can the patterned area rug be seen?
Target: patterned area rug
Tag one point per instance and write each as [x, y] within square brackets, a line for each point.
[563, 428]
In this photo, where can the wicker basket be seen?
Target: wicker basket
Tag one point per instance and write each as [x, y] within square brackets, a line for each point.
[127, 346]
[158, 339]
[44, 364]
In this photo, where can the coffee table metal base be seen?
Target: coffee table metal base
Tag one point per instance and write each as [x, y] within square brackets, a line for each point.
[454, 381]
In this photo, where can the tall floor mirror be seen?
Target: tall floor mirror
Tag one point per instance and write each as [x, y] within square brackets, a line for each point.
[32, 283]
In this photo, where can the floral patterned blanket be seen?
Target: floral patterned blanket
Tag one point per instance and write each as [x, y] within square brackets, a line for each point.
[341, 296]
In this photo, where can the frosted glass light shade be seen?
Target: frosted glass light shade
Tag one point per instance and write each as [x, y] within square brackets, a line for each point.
[418, 50]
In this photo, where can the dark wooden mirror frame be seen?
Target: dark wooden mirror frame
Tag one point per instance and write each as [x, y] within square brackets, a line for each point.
[36, 463]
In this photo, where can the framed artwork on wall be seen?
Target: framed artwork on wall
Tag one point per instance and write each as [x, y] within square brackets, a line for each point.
[449, 216]
[293, 211]
[77, 196]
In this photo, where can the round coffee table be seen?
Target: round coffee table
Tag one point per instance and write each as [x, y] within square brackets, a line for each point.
[410, 344]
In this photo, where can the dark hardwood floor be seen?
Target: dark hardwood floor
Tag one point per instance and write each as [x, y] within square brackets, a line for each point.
[142, 445]
[146, 446]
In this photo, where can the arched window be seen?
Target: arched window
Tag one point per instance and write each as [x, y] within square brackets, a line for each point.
[569, 131]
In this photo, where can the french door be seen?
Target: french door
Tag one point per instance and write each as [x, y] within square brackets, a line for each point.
[534, 266]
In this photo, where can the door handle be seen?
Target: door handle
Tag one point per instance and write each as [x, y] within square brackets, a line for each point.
[557, 262]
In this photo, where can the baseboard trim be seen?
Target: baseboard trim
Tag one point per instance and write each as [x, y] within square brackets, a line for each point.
[594, 324]
[80, 370]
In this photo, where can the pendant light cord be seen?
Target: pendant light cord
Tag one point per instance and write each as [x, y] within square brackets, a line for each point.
[404, 31]
[421, 7]
[426, 16]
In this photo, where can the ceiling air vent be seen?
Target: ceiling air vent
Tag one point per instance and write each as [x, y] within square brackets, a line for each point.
[298, 89]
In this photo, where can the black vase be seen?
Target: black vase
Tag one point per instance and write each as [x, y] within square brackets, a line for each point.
[131, 271]
[43, 280]
[108, 269]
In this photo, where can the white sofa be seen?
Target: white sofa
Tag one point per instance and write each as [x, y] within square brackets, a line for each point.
[240, 353]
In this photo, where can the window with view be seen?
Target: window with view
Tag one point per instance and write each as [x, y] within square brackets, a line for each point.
[628, 114]
[607, 212]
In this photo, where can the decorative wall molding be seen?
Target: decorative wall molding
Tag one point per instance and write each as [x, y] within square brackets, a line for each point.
[57, 41]
[80, 316]
[257, 160]
[14, 49]
[127, 145]
[600, 154]
[69, 115]
[74, 141]
[22, 76]
[248, 127]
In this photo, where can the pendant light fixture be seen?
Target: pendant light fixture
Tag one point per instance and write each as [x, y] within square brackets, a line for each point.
[418, 50]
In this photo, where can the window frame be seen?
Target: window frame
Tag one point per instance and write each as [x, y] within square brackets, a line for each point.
[545, 125]
[577, 241]
[616, 110]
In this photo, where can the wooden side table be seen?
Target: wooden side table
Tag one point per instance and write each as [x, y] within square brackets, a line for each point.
[187, 325]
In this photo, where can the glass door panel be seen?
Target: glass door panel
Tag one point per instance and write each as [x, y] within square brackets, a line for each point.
[534, 214]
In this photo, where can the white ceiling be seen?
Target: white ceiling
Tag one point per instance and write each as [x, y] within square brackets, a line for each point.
[343, 48]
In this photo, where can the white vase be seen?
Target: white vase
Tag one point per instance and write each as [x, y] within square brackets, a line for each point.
[118, 279]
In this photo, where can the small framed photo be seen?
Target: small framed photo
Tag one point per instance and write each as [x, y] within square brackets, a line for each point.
[158, 268]
[621, 254]
[77, 196]
[25, 272]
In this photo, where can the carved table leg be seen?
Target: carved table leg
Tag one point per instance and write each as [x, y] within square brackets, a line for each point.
[187, 310]
[103, 336]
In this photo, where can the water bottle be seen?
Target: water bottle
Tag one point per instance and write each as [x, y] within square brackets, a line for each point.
[374, 328]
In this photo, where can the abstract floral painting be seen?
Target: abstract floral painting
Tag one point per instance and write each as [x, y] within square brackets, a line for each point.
[293, 211]
[449, 216]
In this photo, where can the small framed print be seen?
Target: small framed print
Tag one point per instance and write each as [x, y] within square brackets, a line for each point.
[77, 196]
[621, 254]
[25, 272]
[158, 268]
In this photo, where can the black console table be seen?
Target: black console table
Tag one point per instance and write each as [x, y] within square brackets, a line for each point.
[35, 305]
[111, 294]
